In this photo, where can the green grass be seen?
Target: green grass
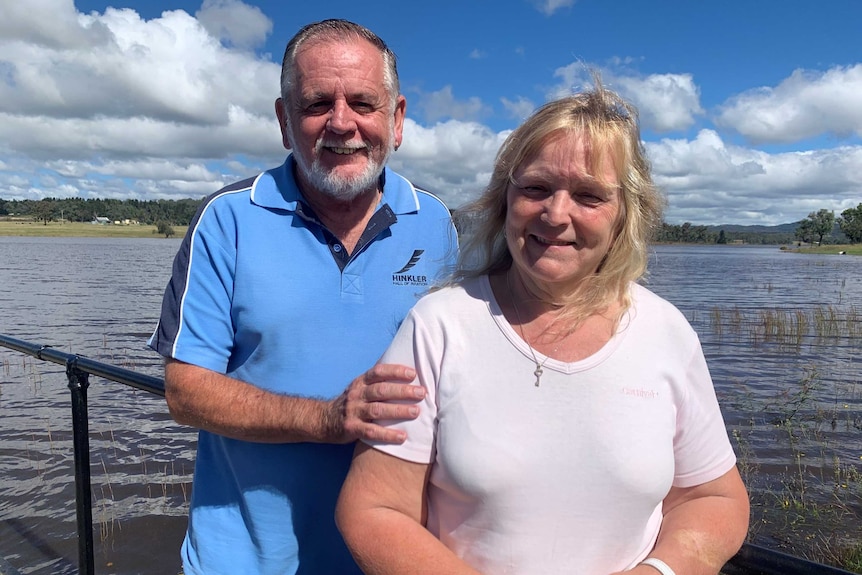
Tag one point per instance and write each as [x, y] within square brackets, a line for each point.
[29, 228]
[850, 249]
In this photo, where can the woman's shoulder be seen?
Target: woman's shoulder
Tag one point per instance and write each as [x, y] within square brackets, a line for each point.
[657, 310]
[454, 298]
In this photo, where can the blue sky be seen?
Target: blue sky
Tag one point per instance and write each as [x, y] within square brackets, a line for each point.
[751, 111]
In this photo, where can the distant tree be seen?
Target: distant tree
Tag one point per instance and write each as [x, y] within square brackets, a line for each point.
[722, 239]
[817, 225]
[805, 231]
[850, 223]
[163, 227]
[44, 211]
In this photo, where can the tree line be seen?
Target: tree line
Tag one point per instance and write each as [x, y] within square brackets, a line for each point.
[148, 212]
[819, 227]
[687, 233]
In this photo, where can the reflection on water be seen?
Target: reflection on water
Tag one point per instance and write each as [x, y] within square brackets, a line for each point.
[100, 298]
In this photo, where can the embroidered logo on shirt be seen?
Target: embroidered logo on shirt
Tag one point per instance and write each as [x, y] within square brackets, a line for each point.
[402, 278]
[640, 392]
[413, 259]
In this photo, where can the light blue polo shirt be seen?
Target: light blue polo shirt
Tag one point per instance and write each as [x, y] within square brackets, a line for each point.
[262, 292]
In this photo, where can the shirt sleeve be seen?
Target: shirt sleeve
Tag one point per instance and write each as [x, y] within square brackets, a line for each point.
[414, 346]
[702, 449]
[196, 324]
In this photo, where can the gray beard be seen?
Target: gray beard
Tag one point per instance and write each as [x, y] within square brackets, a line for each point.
[337, 187]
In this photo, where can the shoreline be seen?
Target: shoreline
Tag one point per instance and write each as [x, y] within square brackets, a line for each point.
[21, 228]
[18, 228]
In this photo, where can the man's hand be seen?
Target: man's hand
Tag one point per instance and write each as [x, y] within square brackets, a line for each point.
[383, 392]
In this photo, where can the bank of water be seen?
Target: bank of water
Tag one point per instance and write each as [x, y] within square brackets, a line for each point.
[792, 399]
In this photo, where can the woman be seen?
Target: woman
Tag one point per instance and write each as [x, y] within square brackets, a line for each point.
[570, 424]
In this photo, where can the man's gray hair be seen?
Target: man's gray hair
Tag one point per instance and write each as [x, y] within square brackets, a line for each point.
[337, 30]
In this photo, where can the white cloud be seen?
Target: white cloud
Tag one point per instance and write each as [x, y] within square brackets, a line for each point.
[452, 159]
[805, 105]
[83, 94]
[519, 109]
[666, 102]
[114, 106]
[442, 104]
[548, 7]
[55, 24]
[708, 181]
[167, 69]
[237, 23]
[477, 54]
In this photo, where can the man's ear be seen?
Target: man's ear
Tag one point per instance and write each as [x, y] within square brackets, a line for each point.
[281, 114]
[398, 124]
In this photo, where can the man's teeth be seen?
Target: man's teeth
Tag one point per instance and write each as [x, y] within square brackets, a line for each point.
[343, 151]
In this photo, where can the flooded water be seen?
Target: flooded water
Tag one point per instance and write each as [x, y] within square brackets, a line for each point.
[781, 333]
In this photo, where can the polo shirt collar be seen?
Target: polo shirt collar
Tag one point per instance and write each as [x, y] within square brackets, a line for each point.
[276, 188]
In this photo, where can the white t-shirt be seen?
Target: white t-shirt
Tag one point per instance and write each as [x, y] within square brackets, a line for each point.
[567, 477]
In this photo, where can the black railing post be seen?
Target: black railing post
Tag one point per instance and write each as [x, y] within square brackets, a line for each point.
[78, 382]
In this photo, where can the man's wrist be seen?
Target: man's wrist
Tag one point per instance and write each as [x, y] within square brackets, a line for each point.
[658, 565]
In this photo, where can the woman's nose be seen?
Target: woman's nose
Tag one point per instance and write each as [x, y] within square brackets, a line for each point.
[558, 208]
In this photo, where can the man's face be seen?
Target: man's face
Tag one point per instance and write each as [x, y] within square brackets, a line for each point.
[342, 127]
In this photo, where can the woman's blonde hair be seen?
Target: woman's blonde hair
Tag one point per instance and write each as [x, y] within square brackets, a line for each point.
[609, 125]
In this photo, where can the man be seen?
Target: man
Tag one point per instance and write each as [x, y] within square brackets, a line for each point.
[286, 286]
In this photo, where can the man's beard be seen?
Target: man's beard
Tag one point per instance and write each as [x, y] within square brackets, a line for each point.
[339, 187]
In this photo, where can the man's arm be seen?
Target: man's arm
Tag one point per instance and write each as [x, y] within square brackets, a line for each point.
[381, 515]
[215, 402]
[702, 528]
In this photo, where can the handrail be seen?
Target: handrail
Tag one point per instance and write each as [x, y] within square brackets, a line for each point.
[107, 371]
[750, 560]
[78, 371]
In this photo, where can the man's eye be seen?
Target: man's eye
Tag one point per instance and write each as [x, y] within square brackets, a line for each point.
[318, 107]
[362, 107]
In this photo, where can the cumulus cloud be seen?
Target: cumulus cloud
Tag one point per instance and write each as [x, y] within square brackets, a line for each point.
[805, 105]
[518, 109]
[113, 105]
[88, 93]
[666, 102]
[453, 159]
[168, 69]
[442, 104]
[233, 22]
[709, 181]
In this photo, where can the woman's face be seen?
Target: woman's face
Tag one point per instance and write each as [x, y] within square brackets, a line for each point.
[560, 220]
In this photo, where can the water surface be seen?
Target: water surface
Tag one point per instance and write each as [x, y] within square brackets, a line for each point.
[100, 298]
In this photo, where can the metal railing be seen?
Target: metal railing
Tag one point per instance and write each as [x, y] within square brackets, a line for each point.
[78, 371]
[751, 559]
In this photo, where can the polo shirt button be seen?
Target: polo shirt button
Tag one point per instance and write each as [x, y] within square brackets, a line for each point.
[337, 248]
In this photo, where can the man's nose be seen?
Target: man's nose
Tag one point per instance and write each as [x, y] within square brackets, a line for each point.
[341, 118]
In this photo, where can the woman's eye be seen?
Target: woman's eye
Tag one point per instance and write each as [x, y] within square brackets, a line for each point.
[532, 191]
[590, 199]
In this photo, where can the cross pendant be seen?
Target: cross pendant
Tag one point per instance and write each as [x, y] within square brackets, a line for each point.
[538, 373]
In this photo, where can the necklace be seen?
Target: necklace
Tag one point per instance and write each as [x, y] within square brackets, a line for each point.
[539, 371]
